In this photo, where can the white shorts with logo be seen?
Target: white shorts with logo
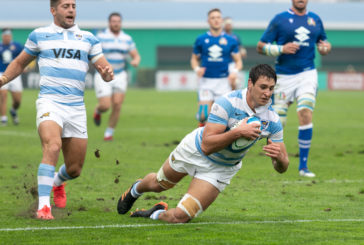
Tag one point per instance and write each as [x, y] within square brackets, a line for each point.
[72, 119]
[15, 85]
[106, 89]
[187, 159]
[290, 87]
[212, 88]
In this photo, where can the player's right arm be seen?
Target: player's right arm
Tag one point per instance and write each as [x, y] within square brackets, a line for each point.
[195, 65]
[275, 50]
[16, 67]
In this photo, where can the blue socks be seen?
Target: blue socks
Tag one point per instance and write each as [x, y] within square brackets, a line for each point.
[304, 143]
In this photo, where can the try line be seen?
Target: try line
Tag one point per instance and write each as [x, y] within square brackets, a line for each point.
[188, 224]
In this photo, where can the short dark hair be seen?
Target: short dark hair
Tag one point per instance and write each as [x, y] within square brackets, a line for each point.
[262, 70]
[114, 14]
[213, 10]
[6, 30]
[54, 3]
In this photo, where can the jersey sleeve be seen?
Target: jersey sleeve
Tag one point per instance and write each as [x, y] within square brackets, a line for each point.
[235, 47]
[197, 47]
[322, 35]
[220, 111]
[96, 48]
[31, 45]
[271, 33]
[276, 131]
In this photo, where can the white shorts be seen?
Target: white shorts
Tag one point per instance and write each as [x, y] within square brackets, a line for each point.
[212, 88]
[187, 159]
[106, 89]
[15, 85]
[289, 87]
[72, 119]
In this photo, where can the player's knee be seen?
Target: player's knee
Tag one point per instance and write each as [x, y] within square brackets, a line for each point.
[53, 147]
[281, 109]
[163, 181]
[190, 207]
[202, 113]
[306, 101]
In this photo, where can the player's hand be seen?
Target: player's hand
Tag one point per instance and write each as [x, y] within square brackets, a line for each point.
[200, 71]
[250, 131]
[134, 63]
[323, 47]
[106, 73]
[272, 149]
[290, 48]
[3, 80]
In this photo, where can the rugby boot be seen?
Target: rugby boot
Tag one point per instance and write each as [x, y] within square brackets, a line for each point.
[45, 213]
[97, 118]
[108, 138]
[126, 200]
[149, 212]
[306, 173]
[59, 196]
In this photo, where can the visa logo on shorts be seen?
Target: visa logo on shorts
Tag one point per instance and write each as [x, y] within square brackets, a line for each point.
[67, 53]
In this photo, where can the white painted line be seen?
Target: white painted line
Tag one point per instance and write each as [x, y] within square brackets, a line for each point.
[15, 133]
[188, 224]
[331, 181]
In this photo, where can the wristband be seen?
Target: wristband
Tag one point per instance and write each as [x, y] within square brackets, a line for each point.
[234, 70]
[273, 49]
[197, 68]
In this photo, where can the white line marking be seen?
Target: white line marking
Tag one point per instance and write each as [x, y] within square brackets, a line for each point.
[332, 181]
[15, 133]
[188, 224]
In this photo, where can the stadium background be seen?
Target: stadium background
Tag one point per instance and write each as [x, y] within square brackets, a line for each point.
[164, 32]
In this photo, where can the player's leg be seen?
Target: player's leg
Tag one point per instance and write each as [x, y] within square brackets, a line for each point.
[205, 100]
[16, 89]
[204, 108]
[3, 101]
[165, 179]
[117, 100]
[306, 99]
[199, 196]
[50, 136]
[103, 92]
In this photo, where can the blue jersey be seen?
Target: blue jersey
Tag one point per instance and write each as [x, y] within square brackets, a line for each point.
[215, 53]
[8, 53]
[63, 60]
[306, 30]
[229, 110]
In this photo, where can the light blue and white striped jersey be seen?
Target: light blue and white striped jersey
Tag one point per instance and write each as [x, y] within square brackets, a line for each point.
[63, 58]
[230, 109]
[116, 48]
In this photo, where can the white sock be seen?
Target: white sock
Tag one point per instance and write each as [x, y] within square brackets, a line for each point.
[109, 132]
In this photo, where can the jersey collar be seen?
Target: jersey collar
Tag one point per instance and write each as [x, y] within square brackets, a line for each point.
[59, 29]
[293, 13]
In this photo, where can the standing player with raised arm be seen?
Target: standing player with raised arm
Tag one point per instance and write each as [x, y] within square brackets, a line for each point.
[117, 46]
[8, 51]
[207, 153]
[212, 53]
[292, 36]
[63, 52]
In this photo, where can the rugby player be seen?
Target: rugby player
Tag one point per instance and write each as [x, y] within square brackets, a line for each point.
[206, 154]
[212, 53]
[63, 52]
[292, 36]
[8, 51]
[117, 47]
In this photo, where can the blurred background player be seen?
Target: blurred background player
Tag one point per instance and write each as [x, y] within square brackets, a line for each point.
[8, 51]
[292, 36]
[228, 28]
[63, 52]
[116, 45]
[206, 154]
[212, 53]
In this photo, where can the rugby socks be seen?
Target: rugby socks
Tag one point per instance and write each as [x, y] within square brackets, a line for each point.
[156, 214]
[109, 132]
[304, 143]
[45, 183]
[61, 176]
[134, 191]
[4, 119]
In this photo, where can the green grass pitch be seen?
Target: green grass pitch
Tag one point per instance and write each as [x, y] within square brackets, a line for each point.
[259, 207]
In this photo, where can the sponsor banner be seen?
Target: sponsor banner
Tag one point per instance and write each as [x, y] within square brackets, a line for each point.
[183, 80]
[345, 81]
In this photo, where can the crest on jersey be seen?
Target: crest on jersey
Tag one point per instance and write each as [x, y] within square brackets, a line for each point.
[265, 124]
[222, 41]
[12, 47]
[311, 22]
[78, 36]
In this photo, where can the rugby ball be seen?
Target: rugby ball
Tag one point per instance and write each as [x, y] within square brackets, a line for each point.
[242, 142]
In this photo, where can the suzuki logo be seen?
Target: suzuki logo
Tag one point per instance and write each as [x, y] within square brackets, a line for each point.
[215, 52]
[302, 34]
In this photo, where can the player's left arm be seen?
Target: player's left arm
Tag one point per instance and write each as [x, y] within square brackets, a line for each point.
[278, 153]
[135, 57]
[104, 68]
[238, 66]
